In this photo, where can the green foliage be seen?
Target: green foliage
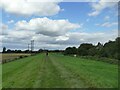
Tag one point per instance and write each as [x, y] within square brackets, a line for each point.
[109, 49]
[70, 50]
[83, 49]
[4, 49]
[118, 48]
[93, 51]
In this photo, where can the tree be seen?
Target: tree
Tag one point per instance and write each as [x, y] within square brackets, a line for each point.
[9, 51]
[110, 49]
[99, 46]
[93, 51]
[84, 48]
[4, 49]
[40, 50]
[70, 50]
[118, 48]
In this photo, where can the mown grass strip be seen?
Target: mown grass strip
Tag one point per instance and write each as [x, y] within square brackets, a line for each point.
[59, 71]
[49, 76]
[70, 79]
[94, 73]
[21, 73]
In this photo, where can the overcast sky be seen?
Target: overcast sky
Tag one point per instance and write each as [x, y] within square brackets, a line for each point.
[57, 25]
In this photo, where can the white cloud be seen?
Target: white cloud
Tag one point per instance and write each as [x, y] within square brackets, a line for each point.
[19, 38]
[11, 21]
[25, 8]
[108, 24]
[76, 38]
[20, 34]
[98, 7]
[47, 26]
[43, 30]
[62, 38]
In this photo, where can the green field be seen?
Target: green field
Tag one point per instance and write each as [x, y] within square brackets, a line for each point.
[59, 71]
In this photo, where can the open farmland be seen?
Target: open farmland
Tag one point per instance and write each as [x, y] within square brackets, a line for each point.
[59, 71]
[10, 56]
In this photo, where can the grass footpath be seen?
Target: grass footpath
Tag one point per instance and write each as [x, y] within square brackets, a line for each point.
[59, 71]
[94, 74]
[21, 73]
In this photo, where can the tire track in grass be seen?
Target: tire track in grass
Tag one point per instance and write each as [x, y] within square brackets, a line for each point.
[49, 76]
[72, 66]
[71, 80]
[41, 70]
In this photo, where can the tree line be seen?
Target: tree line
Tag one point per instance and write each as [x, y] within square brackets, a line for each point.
[109, 49]
[5, 50]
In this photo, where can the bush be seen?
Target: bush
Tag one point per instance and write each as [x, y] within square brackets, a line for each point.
[21, 56]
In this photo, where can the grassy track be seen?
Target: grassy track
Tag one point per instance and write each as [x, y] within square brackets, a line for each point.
[21, 73]
[57, 71]
[92, 73]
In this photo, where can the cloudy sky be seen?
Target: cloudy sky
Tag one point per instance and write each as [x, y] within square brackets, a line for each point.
[57, 25]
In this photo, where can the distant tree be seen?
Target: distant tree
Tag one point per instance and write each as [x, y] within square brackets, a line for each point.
[9, 51]
[84, 48]
[70, 50]
[40, 50]
[103, 53]
[4, 49]
[26, 51]
[99, 46]
[110, 49]
[74, 50]
[93, 51]
[118, 48]
[19, 51]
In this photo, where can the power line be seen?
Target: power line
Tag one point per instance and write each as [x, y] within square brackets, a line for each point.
[32, 45]
[28, 47]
